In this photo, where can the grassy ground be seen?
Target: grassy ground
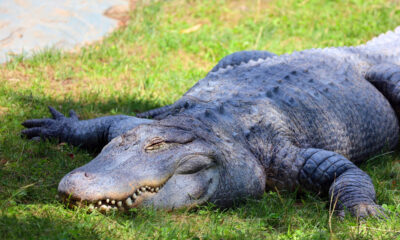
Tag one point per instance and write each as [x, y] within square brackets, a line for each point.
[164, 50]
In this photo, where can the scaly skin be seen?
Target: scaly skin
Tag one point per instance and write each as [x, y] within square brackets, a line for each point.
[257, 121]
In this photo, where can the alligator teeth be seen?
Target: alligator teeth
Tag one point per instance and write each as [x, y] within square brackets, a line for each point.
[108, 204]
[91, 207]
[128, 201]
[103, 208]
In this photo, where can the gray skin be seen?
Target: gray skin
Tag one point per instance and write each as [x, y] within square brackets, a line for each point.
[256, 122]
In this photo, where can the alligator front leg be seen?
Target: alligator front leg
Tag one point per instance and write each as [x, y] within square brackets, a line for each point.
[349, 187]
[91, 134]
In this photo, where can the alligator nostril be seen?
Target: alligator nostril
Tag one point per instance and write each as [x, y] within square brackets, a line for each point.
[89, 175]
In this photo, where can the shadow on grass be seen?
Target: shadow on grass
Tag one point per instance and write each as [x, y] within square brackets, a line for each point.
[93, 103]
[33, 227]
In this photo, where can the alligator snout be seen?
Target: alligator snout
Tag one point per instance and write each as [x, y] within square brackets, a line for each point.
[86, 186]
[72, 183]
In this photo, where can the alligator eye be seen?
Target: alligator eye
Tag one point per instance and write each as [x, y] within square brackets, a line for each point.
[156, 143]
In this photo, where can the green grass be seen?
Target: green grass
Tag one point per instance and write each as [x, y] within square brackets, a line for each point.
[165, 49]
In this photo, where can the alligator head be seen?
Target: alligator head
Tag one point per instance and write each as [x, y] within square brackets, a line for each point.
[165, 164]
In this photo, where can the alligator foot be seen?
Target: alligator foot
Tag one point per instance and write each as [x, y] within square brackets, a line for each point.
[362, 211]
[49, 127]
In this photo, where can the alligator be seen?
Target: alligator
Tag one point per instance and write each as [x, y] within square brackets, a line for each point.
[256, 122]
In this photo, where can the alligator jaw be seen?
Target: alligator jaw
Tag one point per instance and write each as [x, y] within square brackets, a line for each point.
[186, 172]
[109, 204]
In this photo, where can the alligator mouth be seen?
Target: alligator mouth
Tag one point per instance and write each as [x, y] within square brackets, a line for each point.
[109, 204]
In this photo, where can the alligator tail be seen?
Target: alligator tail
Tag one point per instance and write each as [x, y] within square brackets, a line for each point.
[383, 48]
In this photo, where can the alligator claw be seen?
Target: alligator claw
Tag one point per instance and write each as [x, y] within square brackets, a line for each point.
[368, 210]
[48, 127]
[363, 211]
[73, 115]
[37, 122]
[56, 114]
[35, 132]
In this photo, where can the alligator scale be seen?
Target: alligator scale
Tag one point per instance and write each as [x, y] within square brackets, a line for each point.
[257, 121]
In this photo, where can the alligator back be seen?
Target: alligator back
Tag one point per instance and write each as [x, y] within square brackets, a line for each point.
[384, 48]
[317, 98]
